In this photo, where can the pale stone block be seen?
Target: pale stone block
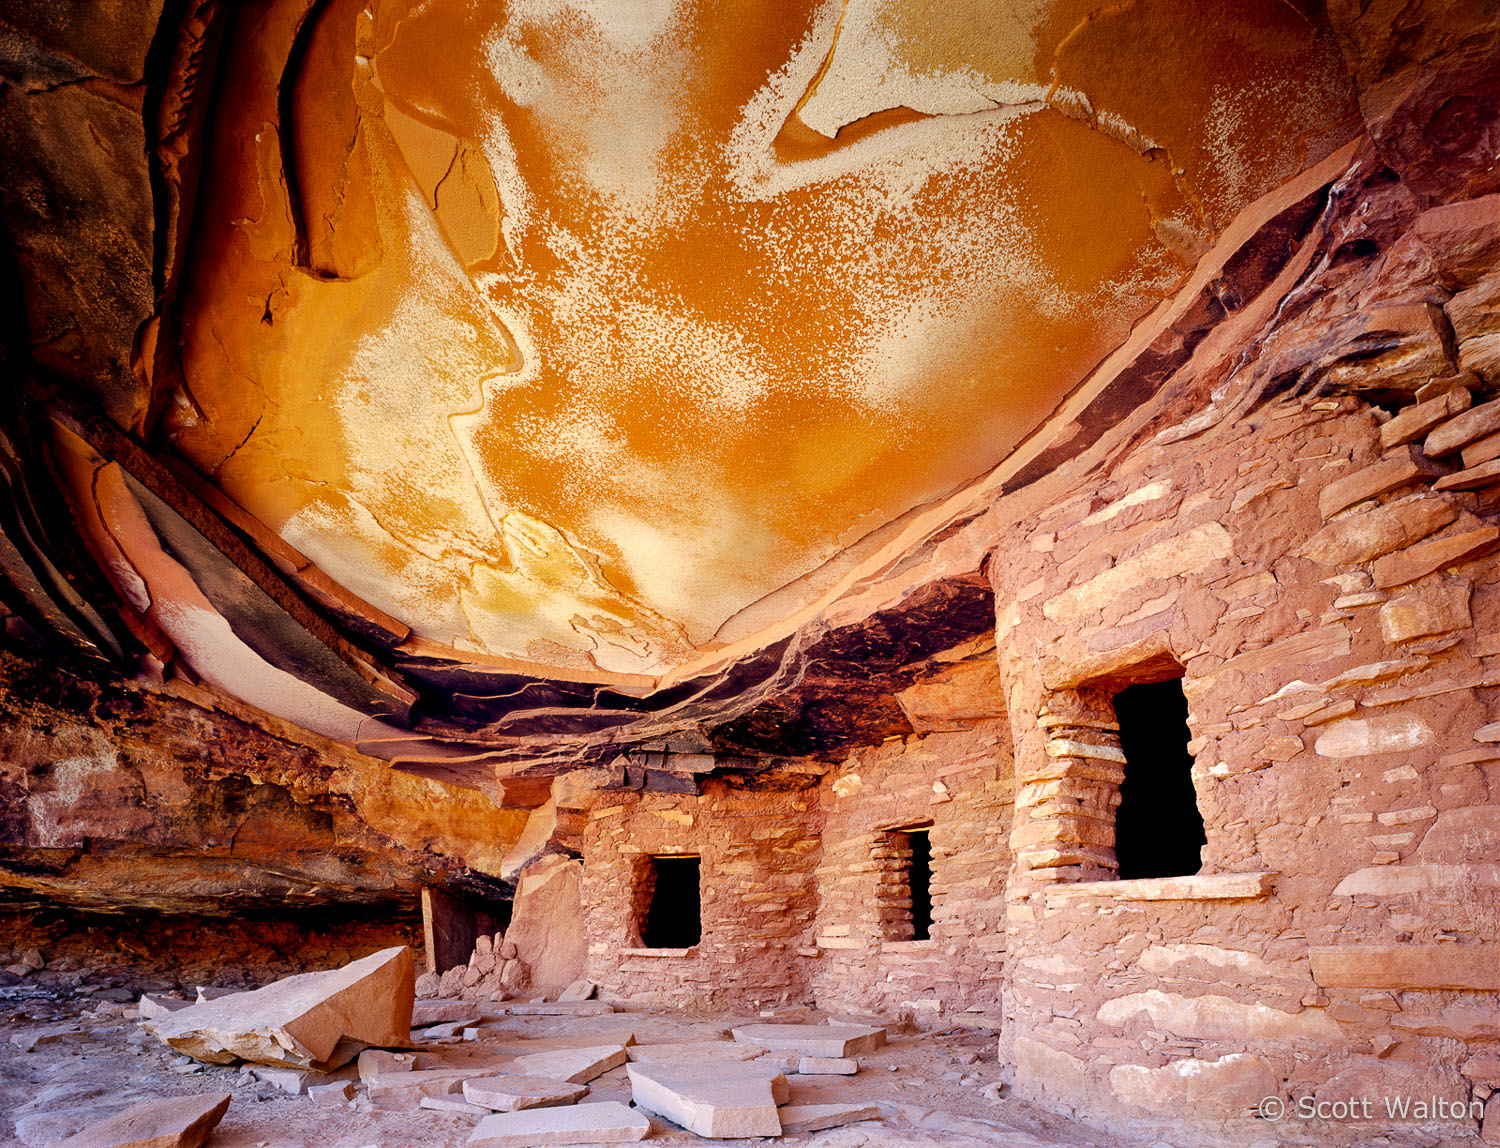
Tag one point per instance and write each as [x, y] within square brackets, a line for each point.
[1364, 737]
[513, 1093]
[1228, 1087]
[300, 1020]
[723, 1102]
[827, 1066]
[575, 1065]
[608, 1122]
[176, 1122]
[797, 1118]
[693, 1051]
[1215, 1017]
[813, 1039]
[1184, 554]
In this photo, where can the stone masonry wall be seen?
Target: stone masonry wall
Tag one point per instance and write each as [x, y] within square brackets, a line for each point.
[1322, 576]
[959, 783]
[759, 850]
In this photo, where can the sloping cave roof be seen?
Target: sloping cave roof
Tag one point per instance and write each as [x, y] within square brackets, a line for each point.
[506, 388]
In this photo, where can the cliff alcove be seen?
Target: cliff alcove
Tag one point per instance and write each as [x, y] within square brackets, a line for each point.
[889, 571]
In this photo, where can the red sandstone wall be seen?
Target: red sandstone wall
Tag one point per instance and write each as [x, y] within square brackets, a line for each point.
[759, 850]
[960, 782]
[1339, 623]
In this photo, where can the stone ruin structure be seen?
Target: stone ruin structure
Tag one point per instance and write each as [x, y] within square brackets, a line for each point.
[962, 515]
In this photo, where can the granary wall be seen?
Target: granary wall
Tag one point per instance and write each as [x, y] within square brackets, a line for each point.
[959, 785]
[759, 850]
[1332, 606]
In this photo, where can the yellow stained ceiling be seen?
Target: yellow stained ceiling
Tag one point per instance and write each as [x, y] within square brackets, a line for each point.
[567, 331]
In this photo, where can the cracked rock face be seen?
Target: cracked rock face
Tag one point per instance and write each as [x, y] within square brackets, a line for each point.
[569, 333]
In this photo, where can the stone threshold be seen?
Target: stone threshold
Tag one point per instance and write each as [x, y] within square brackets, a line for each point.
[660, 953]
[1203, 887]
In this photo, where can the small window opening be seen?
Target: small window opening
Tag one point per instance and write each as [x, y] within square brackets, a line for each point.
[920, 876]
[1158, 828]
[907, 890]
[673, 915]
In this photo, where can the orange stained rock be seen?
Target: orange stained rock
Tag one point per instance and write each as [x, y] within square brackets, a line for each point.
[567, 331]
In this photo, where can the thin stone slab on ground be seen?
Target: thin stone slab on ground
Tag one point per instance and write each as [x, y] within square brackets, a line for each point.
[301, 1020]
[575, 1065]
[695, 1051]
[513, 1093]
[453, 1104]
[174, 1122]
[560, 1008]
[608, 1122]
[813, 1039]
[827, 1066]
[720, 1101]
[797, 1118]
[424, 1013]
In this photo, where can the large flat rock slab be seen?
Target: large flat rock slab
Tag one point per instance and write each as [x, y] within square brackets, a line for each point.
[575, 1065]
[300, 1021]
[719, 1101]
[797, 1118]
[693, 1052]
[174, 1122]
[513, 1093]
[609, 1122]
[840, 1040]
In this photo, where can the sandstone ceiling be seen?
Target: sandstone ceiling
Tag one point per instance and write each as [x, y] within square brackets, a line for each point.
[487, 385]
[569, 332]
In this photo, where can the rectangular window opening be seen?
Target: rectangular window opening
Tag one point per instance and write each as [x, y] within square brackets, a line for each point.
[908, 912]
[1158, 827]
[674, 912]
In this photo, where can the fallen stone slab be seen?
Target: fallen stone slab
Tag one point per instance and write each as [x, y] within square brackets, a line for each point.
[575, 1065]
[175, 1122]
[559, 1008]
[424, 1013]
[827, 1066]
[28, 1040]
[797, 1118]
[375, 1062]
[719, 1101]
[300, 1021]
[298, 1081]
[839, 1040]
[578, 991]
[210, 993]
[608, 1122]
[406, 1089]
[336, 1093]
[446, 1031]
[696, 1051]
[453, 1104]
[513, 1093]
[149, 1007]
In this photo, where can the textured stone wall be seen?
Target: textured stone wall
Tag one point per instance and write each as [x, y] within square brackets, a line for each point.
[1323, 575]
[959, 783]
[759, 850]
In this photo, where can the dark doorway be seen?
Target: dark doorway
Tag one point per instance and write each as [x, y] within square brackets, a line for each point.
[1158, 829]
[919, 876]
[673, 918]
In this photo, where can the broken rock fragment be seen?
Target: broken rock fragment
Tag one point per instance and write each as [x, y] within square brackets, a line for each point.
[176, 1122]
[838, 1040]
[513, 1093]
[299, 1022]
[719, 1101]
[797, 1118]
[608, 1122]
[575, 1065]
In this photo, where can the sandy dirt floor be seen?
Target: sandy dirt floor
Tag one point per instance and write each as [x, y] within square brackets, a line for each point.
[73, 1056]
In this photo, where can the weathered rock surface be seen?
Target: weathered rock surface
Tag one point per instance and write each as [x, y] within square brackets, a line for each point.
[302, 1020]
[513, 1093]
[720, 1102]
[835, 1040]
[178, 1122]
[606, 1122]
